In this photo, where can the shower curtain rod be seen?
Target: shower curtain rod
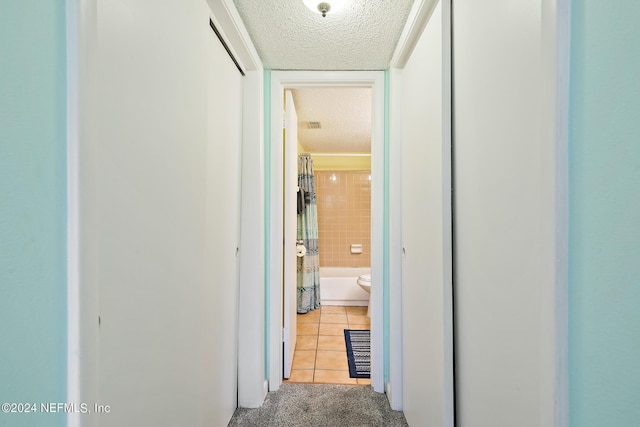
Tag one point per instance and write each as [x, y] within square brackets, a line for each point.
[341, 154]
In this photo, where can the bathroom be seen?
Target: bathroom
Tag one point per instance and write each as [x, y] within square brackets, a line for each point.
[344, 228]
[342, 172]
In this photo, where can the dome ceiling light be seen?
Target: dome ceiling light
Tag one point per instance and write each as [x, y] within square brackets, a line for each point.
[323, 7]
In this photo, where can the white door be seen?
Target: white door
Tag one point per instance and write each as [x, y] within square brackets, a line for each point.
[165, 180]
[426, 229]
[290, 231]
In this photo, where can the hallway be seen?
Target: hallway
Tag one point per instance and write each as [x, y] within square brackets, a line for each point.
[138, 240]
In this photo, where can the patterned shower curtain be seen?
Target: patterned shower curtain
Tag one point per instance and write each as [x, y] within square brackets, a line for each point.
[308, 270]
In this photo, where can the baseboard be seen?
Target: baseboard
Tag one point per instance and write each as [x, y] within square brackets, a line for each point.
[259, 399]
[345, 302]
[393, 401]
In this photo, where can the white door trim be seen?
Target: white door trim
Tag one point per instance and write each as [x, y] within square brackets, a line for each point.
[416, 22]
[281, 80]
[74, 42]
[556, 53]
[82, 306]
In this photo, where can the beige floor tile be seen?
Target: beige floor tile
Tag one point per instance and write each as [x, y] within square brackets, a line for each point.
[356, 310]
[333, 318]
[331, 342]
[307, 329]
[306, 342]
[359, 319]
[336, 309]
[310, 317]
[320, 345]
[336, 360]
[333, 377]
[332, 328]
[300, 376]
[304, 359]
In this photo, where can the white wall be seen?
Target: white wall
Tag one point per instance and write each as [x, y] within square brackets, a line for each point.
[505, 213]
[160, 194]
[426, 233]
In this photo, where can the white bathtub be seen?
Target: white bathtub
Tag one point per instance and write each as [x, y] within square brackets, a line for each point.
[339, 286]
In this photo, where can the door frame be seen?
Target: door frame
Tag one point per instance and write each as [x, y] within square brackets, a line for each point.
[281, 80]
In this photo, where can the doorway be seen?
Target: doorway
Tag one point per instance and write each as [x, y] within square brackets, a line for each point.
[332, 125]
[280, 81]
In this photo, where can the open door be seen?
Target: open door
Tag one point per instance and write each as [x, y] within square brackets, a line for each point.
[290, 232]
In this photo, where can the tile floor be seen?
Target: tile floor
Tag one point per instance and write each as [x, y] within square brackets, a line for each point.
[321, 353]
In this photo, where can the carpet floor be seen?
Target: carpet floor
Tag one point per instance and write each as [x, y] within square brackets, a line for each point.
[296, 405]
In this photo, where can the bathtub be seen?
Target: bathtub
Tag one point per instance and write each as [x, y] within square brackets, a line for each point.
[338, 286]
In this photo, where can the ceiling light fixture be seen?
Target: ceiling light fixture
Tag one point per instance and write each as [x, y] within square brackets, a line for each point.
[323, 7]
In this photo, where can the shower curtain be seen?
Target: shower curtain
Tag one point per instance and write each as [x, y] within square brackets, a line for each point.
[308, 269]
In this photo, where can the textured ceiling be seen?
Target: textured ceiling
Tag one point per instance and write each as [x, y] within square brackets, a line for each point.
[361, 36]
[345, 116]
[288, 36]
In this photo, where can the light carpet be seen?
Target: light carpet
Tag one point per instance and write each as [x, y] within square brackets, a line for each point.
[296, 405]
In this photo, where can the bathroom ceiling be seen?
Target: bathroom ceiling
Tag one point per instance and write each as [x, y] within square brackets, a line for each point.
[344, 115]
[361, 36]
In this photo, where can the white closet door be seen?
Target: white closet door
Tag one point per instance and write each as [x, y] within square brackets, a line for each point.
[224, 144]
[165, 165]
[426, 230]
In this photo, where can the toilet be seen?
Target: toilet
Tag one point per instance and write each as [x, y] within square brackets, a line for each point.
[364, 282]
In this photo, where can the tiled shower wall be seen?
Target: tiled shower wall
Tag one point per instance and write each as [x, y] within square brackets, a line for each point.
[344, 217]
